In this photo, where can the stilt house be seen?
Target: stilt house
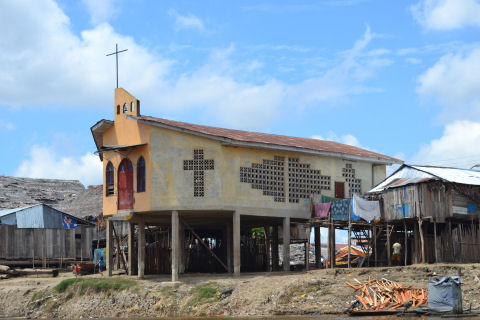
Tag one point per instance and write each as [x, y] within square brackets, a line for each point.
[433, 212]
[195, 192]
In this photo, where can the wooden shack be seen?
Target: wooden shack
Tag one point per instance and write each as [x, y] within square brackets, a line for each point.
[432, 212]
[41, 235]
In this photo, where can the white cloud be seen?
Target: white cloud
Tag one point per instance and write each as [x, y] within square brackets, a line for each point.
[44, 63]
[45, 162]
[457, 147]
[345, 139]
[100, 10]
[5, 125]
[453, 82]
[189, 21]
[447, 14]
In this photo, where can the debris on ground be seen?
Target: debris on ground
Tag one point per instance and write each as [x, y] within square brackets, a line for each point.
[385, 294]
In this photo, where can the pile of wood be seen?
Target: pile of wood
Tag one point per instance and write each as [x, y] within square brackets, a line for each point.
[388, 295]
[6, 272]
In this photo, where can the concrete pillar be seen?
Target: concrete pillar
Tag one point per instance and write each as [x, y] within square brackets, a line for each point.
[236, 243]
[275, 248]
[181, 247]
[109, 248]
[141, 249]
[318, 248]
[229, 238]
[131, 235]
[175, 247]
[286, 244]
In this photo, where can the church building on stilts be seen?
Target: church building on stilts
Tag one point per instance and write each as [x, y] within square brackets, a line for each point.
[206, 199]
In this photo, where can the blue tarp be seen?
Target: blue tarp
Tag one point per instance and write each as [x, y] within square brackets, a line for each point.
[97, 254]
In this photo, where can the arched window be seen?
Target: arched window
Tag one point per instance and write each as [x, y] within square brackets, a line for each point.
[141, 175]
[125, 108]
[132, 106]
[109, 179]
[118, 109]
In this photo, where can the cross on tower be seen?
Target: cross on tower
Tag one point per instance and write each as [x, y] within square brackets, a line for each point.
[116, 57]
[198, 165]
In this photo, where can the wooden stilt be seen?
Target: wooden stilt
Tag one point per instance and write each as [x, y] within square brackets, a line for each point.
[422, 243]
[389, 256]
[435, 239]
[267, 247]
[318, 248]
[349, 237]
[406, 242]
[332, 247]
[375, 252]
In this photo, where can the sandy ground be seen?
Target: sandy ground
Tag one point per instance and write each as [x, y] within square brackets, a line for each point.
[256, 294]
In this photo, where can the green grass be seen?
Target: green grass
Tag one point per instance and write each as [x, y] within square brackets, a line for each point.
[38, 295]
[97, 285]
[167, 292]
[206, 292]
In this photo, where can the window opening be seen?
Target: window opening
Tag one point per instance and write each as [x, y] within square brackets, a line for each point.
[304, 181]
[354, 184]
[198, 165]
[125, 108]
[118, 109]
[141, 174]
[109, 179]
[268, 176]
[132, 105]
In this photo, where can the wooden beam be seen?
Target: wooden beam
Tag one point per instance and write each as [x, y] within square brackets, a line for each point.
[406, 242]
[318, 248]
[435, 239]
[120, 252]
[349, 235]
[389, 256]
[422, 243]
[375, 251]
[204, 244]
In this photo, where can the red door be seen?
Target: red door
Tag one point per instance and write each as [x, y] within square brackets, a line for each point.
[339, 190]
[125, 185]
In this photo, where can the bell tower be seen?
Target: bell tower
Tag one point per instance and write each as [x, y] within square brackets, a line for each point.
[125, 104]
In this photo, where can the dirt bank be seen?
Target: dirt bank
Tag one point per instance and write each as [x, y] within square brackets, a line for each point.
[261, 294]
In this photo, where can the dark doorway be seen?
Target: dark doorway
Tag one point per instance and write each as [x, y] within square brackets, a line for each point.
[339, 190]
[125, 185]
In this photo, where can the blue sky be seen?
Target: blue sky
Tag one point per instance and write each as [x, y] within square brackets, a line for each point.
[397, 77]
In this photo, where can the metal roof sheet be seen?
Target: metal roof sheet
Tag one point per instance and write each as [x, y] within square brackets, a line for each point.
[407, 174]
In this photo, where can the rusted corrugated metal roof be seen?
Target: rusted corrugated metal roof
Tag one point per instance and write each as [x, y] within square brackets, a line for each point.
[272, 139]
[417, 174]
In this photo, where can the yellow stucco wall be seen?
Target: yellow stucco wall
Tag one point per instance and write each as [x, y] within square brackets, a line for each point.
[170, 187]
[127, 132]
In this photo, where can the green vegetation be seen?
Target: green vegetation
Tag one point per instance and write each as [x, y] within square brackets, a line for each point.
[97, 285]
[167, 292]
[203, 293]
[38, 295]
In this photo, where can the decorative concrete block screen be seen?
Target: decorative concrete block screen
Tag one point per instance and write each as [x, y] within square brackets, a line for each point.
[268, 176]
[354, 185]
[304, 181]
[198, 165]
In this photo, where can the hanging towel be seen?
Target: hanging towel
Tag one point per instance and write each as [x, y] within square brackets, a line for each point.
[368, 210]
[320, 210]
[339, 210]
